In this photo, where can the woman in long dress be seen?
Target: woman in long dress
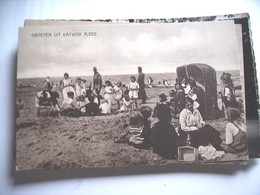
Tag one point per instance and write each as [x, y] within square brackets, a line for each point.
[67, 86]
[193, 126]
[140, 81]
[109, 93]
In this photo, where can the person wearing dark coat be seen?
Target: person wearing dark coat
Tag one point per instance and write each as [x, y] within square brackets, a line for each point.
[97, 83]
[162, 100]
[140, 81]
[165, 138]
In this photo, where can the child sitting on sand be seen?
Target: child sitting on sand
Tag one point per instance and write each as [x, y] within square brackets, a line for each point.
[165, 138]
[235, 133]
[139, 133]
[92, 108]
[127, 103]
[136, 130]
[118, 93]
[105, 108]
[139, 129]
[133, 87]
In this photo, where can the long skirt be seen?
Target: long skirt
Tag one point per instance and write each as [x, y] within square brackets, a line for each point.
[142, 94]
[109, 98]
[202, 137]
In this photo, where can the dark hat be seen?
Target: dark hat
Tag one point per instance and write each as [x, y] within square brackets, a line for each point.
[172, 93]
[146, 111]
[163, 96]
[226, 77]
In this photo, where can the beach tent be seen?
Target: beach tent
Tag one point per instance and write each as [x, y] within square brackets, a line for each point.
[205, 77]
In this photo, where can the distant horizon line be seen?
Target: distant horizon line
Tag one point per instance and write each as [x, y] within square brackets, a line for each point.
[114, 74]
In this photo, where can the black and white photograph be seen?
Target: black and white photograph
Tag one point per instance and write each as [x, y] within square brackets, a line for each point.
[125, 95]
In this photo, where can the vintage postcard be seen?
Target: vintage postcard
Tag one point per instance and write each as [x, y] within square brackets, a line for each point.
[245, 52]
[117, 95]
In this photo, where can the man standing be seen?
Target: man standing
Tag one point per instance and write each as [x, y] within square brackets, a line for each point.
[97, 83]
[140, 81]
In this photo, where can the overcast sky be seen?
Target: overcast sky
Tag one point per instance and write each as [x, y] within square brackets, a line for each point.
[120, 49]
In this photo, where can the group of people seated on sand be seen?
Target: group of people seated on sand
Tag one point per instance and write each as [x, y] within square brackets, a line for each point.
[82, 100]
[186, 104]
[165, 137]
